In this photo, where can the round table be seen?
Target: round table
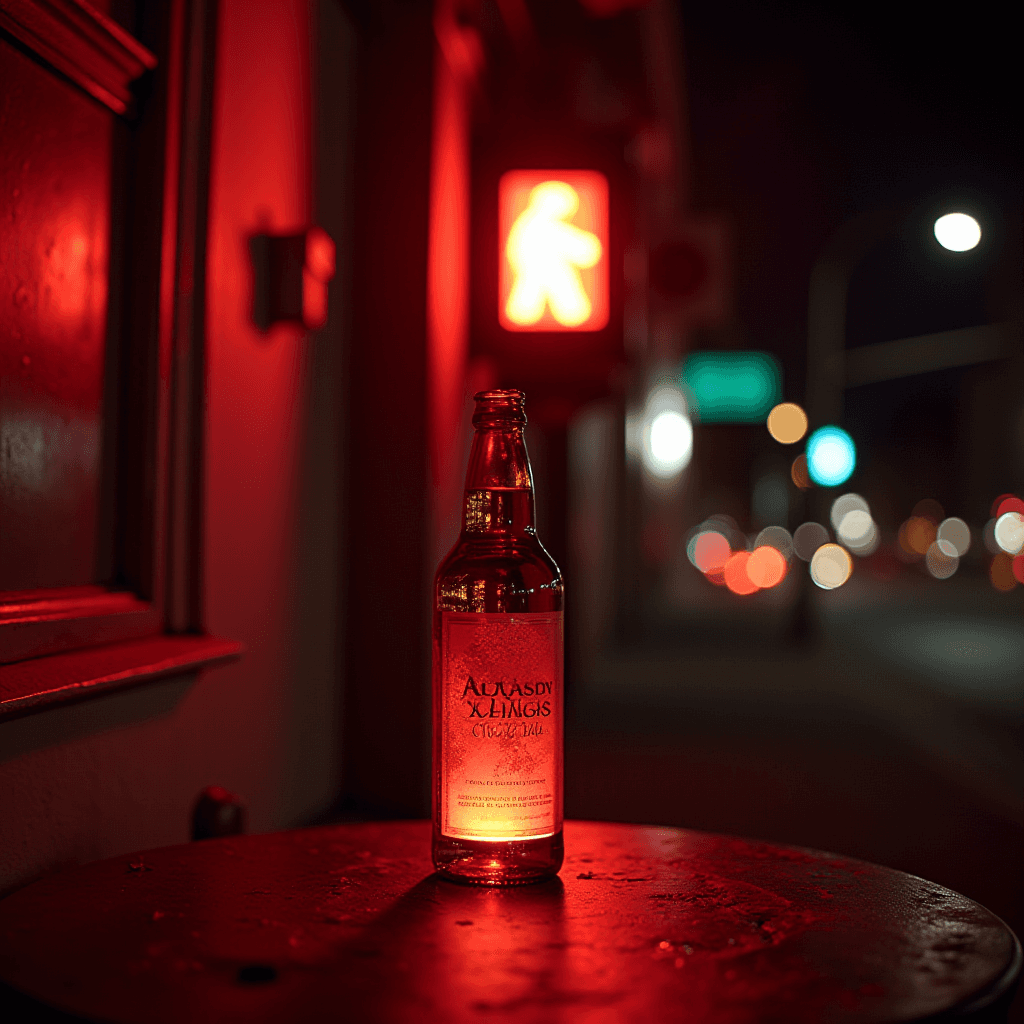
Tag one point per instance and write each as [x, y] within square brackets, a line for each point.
[645, 924]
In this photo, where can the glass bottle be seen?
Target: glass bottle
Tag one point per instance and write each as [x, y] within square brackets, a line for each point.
[497, 671]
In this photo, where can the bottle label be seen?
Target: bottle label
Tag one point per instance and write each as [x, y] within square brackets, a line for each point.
[501, 725]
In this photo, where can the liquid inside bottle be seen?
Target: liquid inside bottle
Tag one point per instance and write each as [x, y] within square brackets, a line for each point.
[497, 672]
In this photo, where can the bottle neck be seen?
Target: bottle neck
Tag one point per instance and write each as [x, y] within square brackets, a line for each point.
[498, 500]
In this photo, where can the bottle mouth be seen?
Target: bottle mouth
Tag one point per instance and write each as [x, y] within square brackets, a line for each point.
[499, 407]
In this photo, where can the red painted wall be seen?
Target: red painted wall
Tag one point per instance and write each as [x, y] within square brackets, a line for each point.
[120, 773]
[448, 292]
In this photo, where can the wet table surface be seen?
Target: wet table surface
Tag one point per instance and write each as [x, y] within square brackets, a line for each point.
[346, 922]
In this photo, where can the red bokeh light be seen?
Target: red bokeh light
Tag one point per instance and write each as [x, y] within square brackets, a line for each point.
[1007, 503]
[710, 552]
[736, 577]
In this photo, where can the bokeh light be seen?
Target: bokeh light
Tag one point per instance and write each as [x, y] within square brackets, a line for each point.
[766, 567]
[1006, 503]
[941, 559]
[735, 572]
[856, 527]
[1009, 532]
[732, 387]
[957, 232]
[726, 526]
[858, 532]
[1018, 568]
[798, 472]
[710, 551]
[957, 532]
[777, 537]
[787, 423]
[831, 566]
[866, 544]
[845, 504]
[831, 456]
[669, 444]
[667, 433]
[1001, 573]
[808, 538]
[915, 537]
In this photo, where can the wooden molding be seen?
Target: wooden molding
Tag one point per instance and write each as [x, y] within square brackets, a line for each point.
[49, 621]
[44, 682]
[82, 43]
[68, 643]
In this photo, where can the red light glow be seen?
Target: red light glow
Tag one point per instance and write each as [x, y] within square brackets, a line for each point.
[1006, 503]
[736, 577]
[553, 251]
[318, 269]
[710, 552]
[448, 280]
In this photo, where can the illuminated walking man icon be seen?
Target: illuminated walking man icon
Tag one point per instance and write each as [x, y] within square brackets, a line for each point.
[546, 253]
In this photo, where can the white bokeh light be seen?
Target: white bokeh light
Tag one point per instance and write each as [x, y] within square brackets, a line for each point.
[831, 566]
[942, 559]
[858, 532]
[845, 504]
[957, 232]
[957, 532]
[1009, 532]
[777, 537]
[671, 443]
[667, 433]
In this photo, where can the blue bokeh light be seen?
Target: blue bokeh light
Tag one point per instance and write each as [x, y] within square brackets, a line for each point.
[831, 456]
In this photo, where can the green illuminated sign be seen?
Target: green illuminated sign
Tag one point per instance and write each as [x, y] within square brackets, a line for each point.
[732, 387]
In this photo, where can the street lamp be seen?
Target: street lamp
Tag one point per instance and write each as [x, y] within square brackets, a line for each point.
[826, 339]
[957, 232]
[829, 284]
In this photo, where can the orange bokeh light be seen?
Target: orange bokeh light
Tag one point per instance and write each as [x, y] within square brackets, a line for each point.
[916, 535]
[787, 423]
[553, 251]
[798, 473]
[1001, 572]
[736, 578]
[766, 567]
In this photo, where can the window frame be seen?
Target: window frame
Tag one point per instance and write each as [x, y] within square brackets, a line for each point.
[59, 644]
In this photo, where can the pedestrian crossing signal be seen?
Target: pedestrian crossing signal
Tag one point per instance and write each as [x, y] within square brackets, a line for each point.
[553, 251]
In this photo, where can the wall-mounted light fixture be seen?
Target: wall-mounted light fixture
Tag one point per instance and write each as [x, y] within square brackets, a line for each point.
[291, 274]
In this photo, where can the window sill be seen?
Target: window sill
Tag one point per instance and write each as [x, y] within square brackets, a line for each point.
[40, 683]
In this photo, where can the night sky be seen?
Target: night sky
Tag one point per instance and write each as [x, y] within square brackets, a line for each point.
[801, 118]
